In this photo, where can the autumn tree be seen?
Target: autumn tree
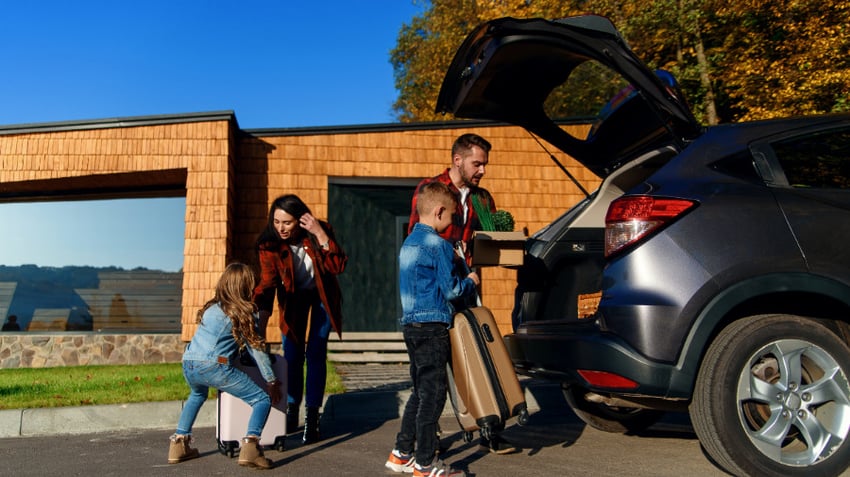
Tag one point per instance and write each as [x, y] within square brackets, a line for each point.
[427, 45]
[739, 60]
[786, 57]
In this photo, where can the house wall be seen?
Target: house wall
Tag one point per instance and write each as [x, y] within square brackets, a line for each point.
[521, 176]
[229, 178]
[137, 157]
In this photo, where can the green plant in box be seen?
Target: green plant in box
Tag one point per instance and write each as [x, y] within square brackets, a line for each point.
[503, 221]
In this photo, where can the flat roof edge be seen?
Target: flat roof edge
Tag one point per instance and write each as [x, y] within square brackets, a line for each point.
[389, 127]
[119, 122]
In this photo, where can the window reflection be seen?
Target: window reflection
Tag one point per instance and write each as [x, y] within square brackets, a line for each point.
[103, 266]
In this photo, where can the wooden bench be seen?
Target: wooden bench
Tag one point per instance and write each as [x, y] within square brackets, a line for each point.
[367, 347]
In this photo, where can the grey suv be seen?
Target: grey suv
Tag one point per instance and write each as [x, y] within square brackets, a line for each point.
[710, 271]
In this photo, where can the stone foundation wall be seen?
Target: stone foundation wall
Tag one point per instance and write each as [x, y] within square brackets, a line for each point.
[45, 350]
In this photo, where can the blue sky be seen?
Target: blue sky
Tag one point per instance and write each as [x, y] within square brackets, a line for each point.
[275, 63]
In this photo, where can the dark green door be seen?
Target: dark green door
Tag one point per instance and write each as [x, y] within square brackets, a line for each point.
[370, 221]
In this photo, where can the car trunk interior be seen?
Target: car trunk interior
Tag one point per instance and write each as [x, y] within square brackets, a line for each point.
[561, 277]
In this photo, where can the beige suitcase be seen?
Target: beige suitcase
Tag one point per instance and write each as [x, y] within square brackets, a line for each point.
[483, 386]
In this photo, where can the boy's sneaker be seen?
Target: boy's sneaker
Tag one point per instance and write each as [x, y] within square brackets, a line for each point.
[437, 468]
[402, 463]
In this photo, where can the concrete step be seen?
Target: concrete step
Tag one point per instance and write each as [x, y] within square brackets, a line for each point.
[367, 347]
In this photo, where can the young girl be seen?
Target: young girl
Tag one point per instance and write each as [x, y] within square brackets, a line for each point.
[227, 323]
[299, 260]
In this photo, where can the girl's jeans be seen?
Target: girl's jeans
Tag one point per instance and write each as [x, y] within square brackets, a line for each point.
[428, 347]
[201, 375]
[315, 351]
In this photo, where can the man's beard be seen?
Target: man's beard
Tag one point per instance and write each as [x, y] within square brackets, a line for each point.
[468, 180]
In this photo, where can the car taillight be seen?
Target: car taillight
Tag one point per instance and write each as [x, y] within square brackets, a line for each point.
[605, 379]
[631, 218]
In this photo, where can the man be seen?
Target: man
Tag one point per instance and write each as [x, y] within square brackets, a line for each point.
[470, 156]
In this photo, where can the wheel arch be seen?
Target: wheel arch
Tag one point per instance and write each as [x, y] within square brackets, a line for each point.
[799, 294]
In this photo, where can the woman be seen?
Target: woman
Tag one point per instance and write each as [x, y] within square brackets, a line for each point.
[299, 259]
[227, 324]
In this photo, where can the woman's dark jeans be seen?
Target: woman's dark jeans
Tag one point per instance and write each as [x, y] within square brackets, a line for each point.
[428, 347]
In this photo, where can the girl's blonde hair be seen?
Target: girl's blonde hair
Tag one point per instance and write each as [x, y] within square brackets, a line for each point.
[233, 294]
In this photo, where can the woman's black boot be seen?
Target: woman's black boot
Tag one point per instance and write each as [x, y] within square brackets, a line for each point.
[311, 426]
[291, 417]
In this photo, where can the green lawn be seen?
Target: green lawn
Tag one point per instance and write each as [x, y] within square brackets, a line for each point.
[94, 385]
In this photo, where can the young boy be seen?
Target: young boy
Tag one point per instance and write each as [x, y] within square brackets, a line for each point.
[427, 283]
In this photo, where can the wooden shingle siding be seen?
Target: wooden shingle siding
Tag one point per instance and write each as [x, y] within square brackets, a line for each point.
[521, 176]
[230, 177]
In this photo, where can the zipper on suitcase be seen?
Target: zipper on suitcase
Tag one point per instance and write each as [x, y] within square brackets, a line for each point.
[501, 400]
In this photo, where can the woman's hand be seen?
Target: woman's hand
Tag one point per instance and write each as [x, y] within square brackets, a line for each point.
[312, 225]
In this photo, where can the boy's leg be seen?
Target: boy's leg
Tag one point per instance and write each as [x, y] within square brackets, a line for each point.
[406, 438]
[431, 355]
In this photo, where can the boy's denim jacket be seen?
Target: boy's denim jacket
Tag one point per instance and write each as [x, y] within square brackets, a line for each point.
[214, 339]
[427, 278]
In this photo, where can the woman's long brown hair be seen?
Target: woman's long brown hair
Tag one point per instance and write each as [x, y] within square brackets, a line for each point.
[233, 293]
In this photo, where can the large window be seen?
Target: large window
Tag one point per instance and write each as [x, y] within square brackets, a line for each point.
[105, 265]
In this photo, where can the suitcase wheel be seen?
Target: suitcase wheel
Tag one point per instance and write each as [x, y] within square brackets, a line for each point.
[279, 443]
[467, 437]
[522, 418]
[228, 448]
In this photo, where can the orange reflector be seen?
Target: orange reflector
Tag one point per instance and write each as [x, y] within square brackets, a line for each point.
[604, 379]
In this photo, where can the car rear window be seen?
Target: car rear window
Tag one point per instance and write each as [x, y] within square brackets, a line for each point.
[819, 160]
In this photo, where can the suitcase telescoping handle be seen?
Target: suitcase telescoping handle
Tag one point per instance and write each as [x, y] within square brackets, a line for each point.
[462, 255]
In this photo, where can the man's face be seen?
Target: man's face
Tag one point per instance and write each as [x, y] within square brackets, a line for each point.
[472, 166]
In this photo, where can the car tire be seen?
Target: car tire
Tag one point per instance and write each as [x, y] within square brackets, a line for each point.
[619, 420]
[772, 398]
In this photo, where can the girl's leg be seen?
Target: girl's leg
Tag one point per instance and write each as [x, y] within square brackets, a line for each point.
[198, 391]
[243, 387]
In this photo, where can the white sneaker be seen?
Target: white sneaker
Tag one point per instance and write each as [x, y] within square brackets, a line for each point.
[401, 463]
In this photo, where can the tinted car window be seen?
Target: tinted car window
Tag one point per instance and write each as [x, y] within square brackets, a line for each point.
[739, 165]
[816, 161]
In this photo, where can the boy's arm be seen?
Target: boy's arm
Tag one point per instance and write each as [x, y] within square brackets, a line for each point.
[452, 285]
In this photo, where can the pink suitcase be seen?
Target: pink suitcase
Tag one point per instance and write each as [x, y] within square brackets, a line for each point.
[233, 413]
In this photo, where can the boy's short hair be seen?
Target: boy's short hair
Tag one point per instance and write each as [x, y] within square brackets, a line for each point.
[434, 194]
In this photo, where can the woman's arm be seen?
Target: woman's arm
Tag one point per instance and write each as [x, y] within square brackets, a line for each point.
[269, 280]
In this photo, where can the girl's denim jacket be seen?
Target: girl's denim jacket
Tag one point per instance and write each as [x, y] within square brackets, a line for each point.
[427, 278]
[213, 341]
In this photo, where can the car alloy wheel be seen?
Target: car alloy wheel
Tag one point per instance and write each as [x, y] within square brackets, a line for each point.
[773, 398]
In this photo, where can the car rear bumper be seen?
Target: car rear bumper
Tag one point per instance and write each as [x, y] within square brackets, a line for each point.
[559, 355]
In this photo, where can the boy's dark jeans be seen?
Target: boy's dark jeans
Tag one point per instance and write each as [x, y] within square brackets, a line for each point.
[428, 347]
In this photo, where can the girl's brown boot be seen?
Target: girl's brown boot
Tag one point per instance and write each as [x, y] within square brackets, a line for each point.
[251, 454]
[179, 449]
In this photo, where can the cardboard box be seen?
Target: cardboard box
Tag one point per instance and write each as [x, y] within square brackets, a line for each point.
[498, 248]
